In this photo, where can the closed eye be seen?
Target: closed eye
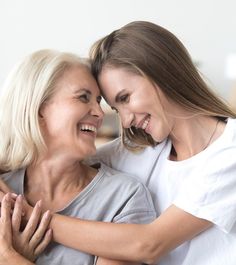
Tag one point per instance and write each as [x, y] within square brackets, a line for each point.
[99, 99]
[113, 108]
[123, 98]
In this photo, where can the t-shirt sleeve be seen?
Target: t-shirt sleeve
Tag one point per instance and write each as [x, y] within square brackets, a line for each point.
[138, 208]
[211, 193]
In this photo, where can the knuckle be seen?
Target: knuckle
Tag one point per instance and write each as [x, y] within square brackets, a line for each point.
[31, 227]
[37, 238]
[5, 220]
[15, 219]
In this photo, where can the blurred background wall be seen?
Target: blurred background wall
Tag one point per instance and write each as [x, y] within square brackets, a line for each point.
[206, 27]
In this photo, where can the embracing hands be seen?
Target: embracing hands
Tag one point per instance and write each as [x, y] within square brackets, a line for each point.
[33, 239]
[28, 241]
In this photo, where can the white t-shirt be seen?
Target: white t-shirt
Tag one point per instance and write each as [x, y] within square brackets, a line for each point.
[203, 185]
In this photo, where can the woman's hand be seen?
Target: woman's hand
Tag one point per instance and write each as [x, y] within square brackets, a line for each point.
[35, 236]
[5, 228]
[7, 254]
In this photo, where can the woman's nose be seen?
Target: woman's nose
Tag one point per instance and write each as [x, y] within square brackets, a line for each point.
[97, 110]
[126, 119]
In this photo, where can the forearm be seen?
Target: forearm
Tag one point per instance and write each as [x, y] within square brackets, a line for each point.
[139, 243]
[112, 241]
[102, 261]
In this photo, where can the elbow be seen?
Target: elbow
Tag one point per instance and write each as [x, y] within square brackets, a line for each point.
[148, 251]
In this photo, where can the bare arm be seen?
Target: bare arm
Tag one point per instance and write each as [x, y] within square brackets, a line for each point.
[18, 259]
[139, 243]
[102, 261]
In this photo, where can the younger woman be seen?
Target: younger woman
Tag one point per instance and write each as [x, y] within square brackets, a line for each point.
[148, 77]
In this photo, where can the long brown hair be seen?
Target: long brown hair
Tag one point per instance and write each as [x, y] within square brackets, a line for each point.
[154, 52]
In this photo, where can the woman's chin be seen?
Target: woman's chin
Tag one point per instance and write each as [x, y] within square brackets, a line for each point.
[90, 152]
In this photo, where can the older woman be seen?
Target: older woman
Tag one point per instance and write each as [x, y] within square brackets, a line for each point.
[49, 116]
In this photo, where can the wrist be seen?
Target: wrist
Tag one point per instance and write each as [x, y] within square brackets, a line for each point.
[8, 255]
[11, 257]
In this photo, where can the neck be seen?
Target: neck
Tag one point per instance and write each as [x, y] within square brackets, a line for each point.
[190, 137]
[56, 178]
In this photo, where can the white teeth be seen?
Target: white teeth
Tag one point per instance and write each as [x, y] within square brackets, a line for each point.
[86, 127]
[145, 124]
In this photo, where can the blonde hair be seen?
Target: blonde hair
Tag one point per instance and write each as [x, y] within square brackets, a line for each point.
[29, 85]
[155, 53]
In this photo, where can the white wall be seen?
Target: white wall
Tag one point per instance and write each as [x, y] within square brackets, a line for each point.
[206, 27]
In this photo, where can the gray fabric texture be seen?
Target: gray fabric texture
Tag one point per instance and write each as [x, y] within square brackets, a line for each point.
[111, 196]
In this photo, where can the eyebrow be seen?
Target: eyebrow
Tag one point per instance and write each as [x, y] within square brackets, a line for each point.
[117, 98]
[77, 91]
[82, 90]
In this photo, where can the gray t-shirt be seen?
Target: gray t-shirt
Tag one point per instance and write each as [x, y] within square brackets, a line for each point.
[111, 196]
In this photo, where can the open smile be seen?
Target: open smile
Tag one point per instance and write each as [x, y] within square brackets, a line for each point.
[88, 129]
[144, 123]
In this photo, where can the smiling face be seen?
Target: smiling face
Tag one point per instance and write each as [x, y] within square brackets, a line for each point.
[137, 100]
[71, 117]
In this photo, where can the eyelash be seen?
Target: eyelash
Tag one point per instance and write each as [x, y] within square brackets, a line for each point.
[99, 99]
[84, 98]
[113, 108]
[124, 98]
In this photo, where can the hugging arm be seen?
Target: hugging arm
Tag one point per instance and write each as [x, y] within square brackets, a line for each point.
[25, 242]
[135, 242]
[102, 261]
[132, 242]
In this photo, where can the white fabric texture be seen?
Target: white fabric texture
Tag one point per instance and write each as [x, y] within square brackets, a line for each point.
[203, 185]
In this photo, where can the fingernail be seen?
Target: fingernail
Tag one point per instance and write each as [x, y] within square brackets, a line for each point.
[19, 197]
[7, 197]
[47, 214]
[14, 194]
[49, 232]
[39, 203]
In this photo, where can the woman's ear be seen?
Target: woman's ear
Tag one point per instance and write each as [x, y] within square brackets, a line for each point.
[40, 115]
[42, 121]
[41, 112]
